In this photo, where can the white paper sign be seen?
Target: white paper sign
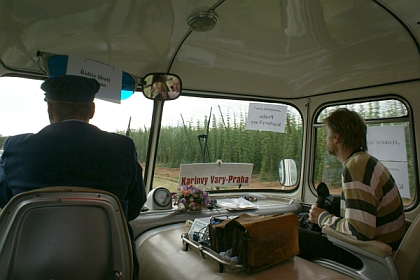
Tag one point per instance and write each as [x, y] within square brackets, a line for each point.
[109, 78]
[399, 171]
[214, 174]
[387, 142]
[267, 117]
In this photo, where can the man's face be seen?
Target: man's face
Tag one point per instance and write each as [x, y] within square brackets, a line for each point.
[175, 84]
[331, 143]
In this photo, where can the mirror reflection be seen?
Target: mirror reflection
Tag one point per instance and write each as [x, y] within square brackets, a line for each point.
[287, 172]
[162, 86]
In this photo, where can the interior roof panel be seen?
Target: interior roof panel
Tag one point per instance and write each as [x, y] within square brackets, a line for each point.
[281, 49]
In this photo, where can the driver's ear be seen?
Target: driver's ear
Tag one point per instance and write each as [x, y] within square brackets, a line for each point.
[92, 110]
[50, 112]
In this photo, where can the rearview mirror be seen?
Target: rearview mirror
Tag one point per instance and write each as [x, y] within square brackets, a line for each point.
[287, 172]
[162, 86]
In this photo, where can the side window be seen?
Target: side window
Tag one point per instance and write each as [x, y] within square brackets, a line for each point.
[389, 138]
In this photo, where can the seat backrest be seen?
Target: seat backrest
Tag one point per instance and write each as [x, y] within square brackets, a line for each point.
[64, 233]
[407, 257]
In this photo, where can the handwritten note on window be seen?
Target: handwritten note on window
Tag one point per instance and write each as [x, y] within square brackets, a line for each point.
[266, 117]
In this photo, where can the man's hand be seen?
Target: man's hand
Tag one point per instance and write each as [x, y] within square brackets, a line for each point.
[314, 213]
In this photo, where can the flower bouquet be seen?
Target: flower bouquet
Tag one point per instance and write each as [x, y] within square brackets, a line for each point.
[192, 198]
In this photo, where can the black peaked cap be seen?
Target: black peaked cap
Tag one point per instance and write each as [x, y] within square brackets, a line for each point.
[71, 88]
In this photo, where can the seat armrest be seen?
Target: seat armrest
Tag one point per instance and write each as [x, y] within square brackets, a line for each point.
[375, 247]
[375, 256]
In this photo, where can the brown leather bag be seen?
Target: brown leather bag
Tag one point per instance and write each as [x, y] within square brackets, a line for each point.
[258, 241]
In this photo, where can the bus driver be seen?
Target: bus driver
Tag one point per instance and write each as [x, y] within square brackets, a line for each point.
[72, 152]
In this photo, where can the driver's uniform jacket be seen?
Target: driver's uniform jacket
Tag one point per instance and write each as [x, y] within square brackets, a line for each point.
[73, 153]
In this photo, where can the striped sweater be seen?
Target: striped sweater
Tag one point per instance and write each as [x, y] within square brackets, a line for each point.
[371, 206]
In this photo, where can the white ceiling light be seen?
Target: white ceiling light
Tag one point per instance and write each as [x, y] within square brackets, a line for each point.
[203, 21]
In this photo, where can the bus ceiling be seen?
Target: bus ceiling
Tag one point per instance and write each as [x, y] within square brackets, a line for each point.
[281, 49]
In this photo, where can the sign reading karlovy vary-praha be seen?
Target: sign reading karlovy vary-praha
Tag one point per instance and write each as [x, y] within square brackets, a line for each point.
[216, 174]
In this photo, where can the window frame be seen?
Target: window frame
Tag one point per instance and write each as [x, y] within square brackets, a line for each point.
[298, 111]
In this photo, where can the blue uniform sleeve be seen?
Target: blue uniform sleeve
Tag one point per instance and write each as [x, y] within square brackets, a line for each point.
[136, 192]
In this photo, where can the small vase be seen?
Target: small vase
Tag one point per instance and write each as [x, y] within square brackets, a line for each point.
[197, 207]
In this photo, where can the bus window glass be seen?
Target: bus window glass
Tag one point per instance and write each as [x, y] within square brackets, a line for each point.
[23, 110]
[389, 139]
[197, 130]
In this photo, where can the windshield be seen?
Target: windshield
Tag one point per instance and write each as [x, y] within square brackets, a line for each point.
[209, 130]
[194, 130]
